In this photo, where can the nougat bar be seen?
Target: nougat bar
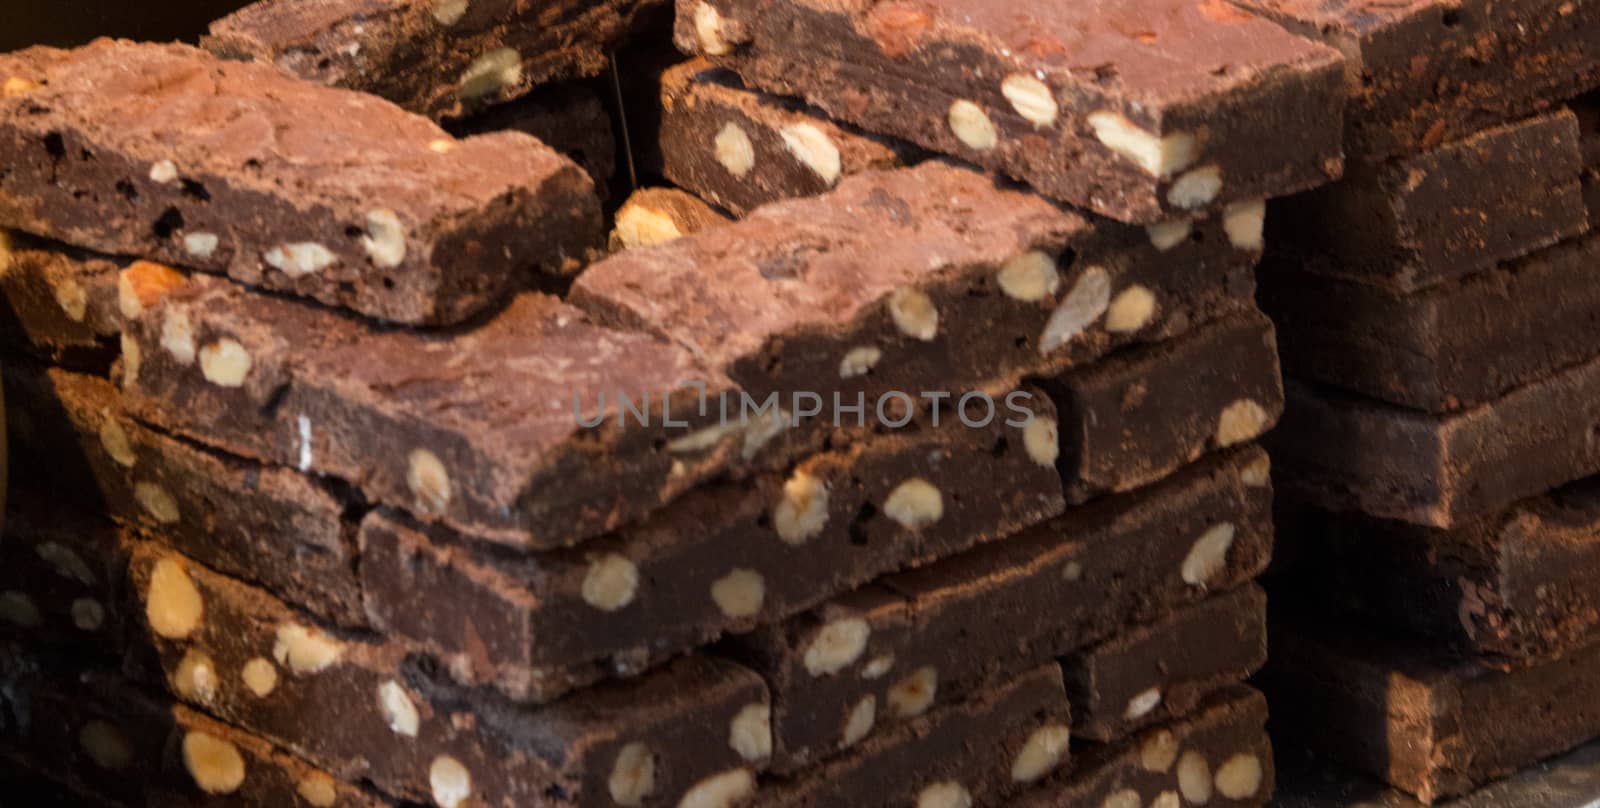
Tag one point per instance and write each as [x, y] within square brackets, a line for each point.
[652, 216]
[725, 557]
[1422, 72]
[1463, 206]
[884, 653]
[1153, 672]
[1140, 110]
[441, 58]
[166, 152]
[365, 710]
[1010, 734]
[742, 149]
[512, 430]
[65, 577]
[1422, 720]
[1344, 453]
[1218, 756]
[271, 525]
[1449, 347]
[59, 304]
[569, 117]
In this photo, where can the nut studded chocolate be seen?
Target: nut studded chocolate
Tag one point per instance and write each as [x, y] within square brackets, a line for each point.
[884, 652]
[1140, 110]
[479, 428]
[652, 216]
[60, 304]
[361, 710]
[65, 575]
[166, 152]
[723, 558]
[569, 117]
[442, 58]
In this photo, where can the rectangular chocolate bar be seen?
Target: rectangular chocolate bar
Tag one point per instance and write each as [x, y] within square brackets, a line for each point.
[442, 58]
[569, 117]
[270, 525]
[652, 216]
[1150, 673]
[1412, 222]
[1344, 453]
[1450, 347]
[59, 304]
[65, 578]
[724, 558]
[166, 152]
[1421, 72]
[1009, 605]
[365, 711]
[1140, 110]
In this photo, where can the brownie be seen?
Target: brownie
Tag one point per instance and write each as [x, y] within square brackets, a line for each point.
[724, 558]
[60, 304]
[1071, 98]
[442, 58]
[570, 117]
[652, 216]
[742, 149]
[1343, 453]
[1450, 347]
[445, 425]
[65, 581]
[1423, 721]
[1413, 222]
[1421, 72]
[1153, 672]
[1125, 559]
[361, 709]
[166, 152]
[1218, 755]
[266, 524]
[976, 752]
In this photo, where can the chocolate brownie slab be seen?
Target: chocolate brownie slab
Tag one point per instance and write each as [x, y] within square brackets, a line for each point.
[723, 558]
[1139, 110]
[479, 428]
[884, 653]
[65, 578]
[1150, 673]
[360, 709]
[266, 524]
[167, 152]
[442, 58]
[1421, 72]
[742, 149]
[1344, 453]
[569, 117]
[1449, 347]
[60, 304]
[1413, 222]
[976, 752]
[1218, 755]
[652, 216]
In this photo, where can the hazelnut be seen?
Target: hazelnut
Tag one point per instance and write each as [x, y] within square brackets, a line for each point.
[1031, 98]
[428, 481]
[858, 724]
[398, 711]
[225, 363]
[1166, 799]
[177, 335]
[156, 502]
[944, 794]
[611, 582]
[1089, 298]
[87, 614]
[450, 781]
[214, 763]
[914, 314]
[493, 71]
[708, 29]
[173, 605]
[17, 86]
[1240, 421]
[639, 226]
[449, 12]
[972, 126]
[305, 650]
[1196, 188]
[723, 790]
[105, 745]
[1166, 235]
[1041, 754]
[1130, 310]
[914, 504]
[66, 562]
[1073, 571]
[1209, 555]
[196, 677]
[814, 149]
[130, 359]
[385, 241]
[859, 361]
[1029, 277]
[733, 148]
[19, 610]
[1244, 222]
[163, 171]
[739, 593]
[300, 258]
[1258, 473]
[1194, 778]
[1124, 798]
[1042, 441]
[1239, 777]
[143, 284]
[1159, 157]
[878, 666]
[1142, 704]
[633, 776]
[836, 646]
[750, 732]
[260, 676]
[803, 511]
[913, 695]
[115, 441]
[318, 789]
[200, 244]
[74, 302]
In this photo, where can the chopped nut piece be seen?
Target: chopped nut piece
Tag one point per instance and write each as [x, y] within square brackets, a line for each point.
[17, 86]
[1194, 778]
[1240, 421]
[914, 504]
[115, 441]
[1126, 798]
[177, 336]
[173, 605]
[914, 314]
[200, 245]
[1073, 571]
[639, 226]
[1239, 777]
[305, 650]
[1244, 223]
[385, 241]
[837, 646]
[450, 781]
[1041, 439]
[318, 789]
[449, 12]
[1209, 555]
[73, 300]
[633, 776]
[441, 146]
[196, 677]
[493, 71]
[814, 149]
[1166, 799]
[913, 695]
[859, 361]
[398, 711]
[260, 676]
[143, 284]
[1089, 298]
[1196, 189]
[877, 666]
[803, 511]
[1158, 752]
[214, 763]
[428, 481]
[105, 745]
[163, 171]
[734, 150]
[945, 794]
[18, 609]
[1166, 235]
[708, 28]
[66, 562]
[1142, 703]
[860, 721]
[299, 258]
[750, 733]
[739, 593]
[88, 614]
[1258, 473]
[972, 126]
[611, 582]
[1131, 310]
[157, 502]
[723, 790]
[1029, 277]
[130, 358]
[225, 363]
[1041, 754]
[1031, 98]
[1159, 157]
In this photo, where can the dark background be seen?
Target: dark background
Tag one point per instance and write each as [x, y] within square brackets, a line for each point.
[74, 22]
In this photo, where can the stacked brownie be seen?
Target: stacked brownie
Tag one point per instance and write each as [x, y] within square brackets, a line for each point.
[1439, 330]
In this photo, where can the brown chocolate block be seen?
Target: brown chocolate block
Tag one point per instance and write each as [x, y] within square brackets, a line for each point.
[167, 152]
[1342, 453]
[724, 558]
[365, 712]
[1464, 206]
[1140, 110]
[64, 582]
[977, 752]
[1421, 72]
[742, 149]
[59, 304]
[1420, 720]
[1150, 673]
[1218, 756]
[479, 428]
[1009, 605]
[270, 525]
[652, 216]
[569, 117]
[1449, 347]
[442, 58]
[1588, 111]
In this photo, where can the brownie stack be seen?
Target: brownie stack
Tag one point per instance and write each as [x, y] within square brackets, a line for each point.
[1439, 326]
[357, 474]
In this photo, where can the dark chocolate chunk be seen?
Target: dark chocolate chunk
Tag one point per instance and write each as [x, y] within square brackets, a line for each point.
[569, 117]
[59, 304]
[652, 216]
